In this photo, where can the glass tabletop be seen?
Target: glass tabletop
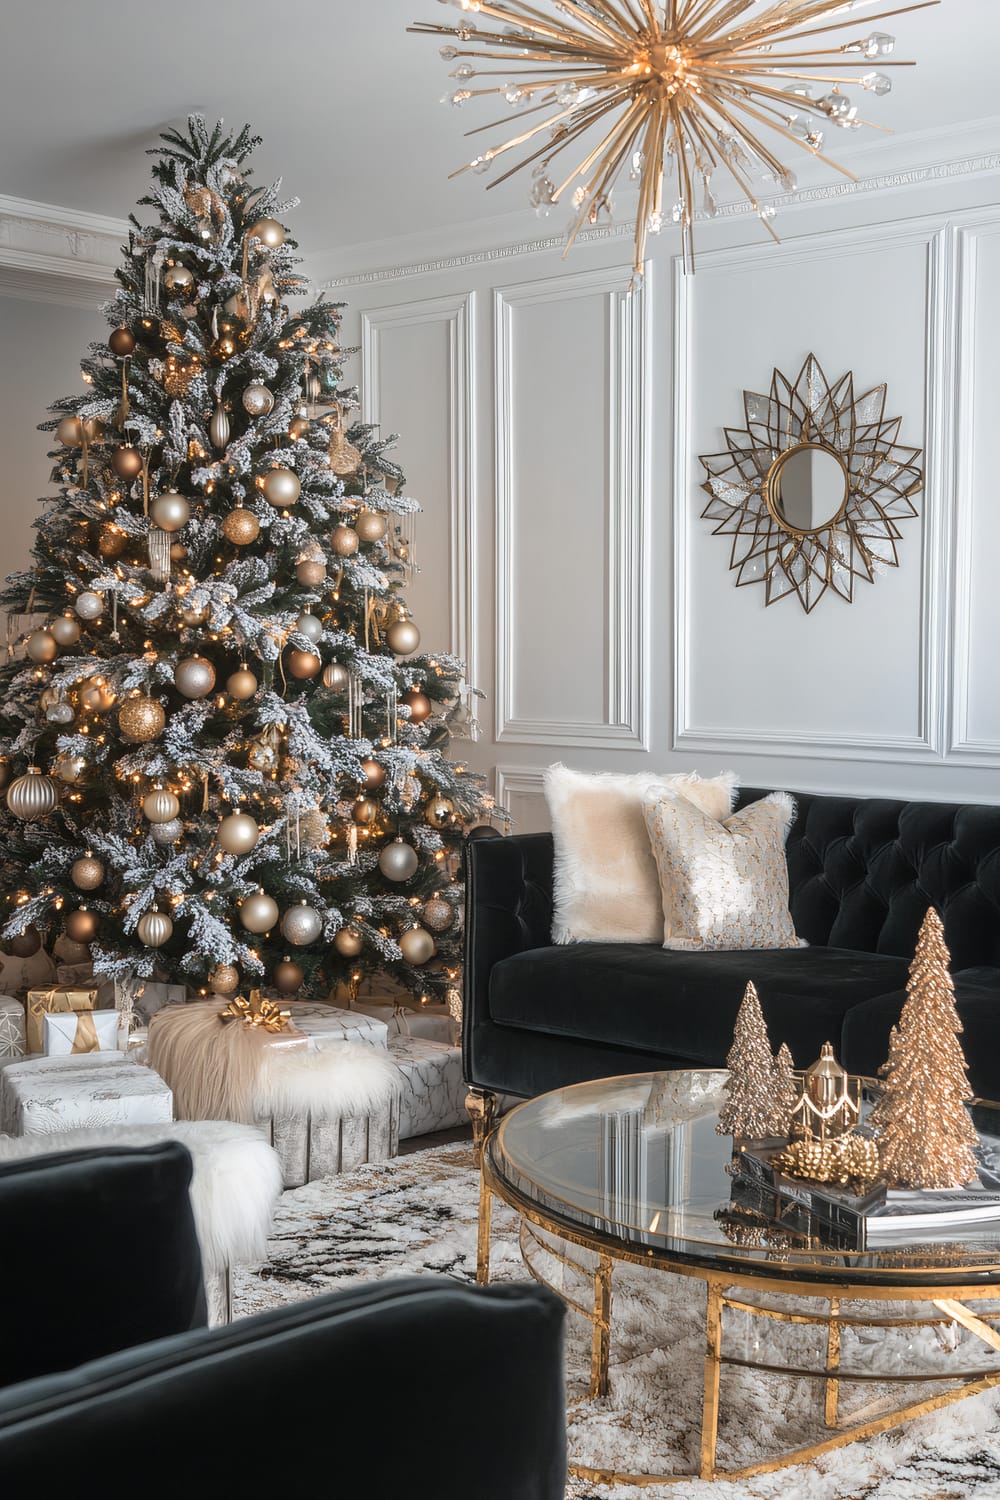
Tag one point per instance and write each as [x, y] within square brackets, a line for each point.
[635, 1164]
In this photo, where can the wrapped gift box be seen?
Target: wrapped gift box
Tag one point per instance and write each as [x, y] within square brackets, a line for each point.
[434, 1089]
[327, 1025]
[93, 994]
[150, 996]
[46, 1095]
[12, 1043]
[70, 1033]
[432, 1022]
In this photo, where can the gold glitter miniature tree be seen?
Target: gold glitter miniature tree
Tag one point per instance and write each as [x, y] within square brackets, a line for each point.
[785, 1091]
[749, 1109]
[926, 1135]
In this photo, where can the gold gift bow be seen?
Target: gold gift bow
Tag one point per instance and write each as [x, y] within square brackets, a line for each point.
[256, 1012]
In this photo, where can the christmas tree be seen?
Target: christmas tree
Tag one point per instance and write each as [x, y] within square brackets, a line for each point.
[786, 1091]
[925, 1132]
[224, 753]
[751, 1109]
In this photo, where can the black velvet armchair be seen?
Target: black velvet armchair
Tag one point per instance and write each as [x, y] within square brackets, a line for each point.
[100, 1254]
[862, 874]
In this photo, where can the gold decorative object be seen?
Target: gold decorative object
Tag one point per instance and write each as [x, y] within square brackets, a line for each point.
[264, 1015]
[749, 1110]
[848, 1160]
[695, 85]
[829, 1103]
[925, 1133]
[813, 489]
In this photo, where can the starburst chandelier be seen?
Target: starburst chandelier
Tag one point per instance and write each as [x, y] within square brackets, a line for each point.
[690, 86]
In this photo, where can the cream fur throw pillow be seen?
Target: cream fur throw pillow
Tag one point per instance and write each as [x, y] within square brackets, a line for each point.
[605, 883]
[725, 882]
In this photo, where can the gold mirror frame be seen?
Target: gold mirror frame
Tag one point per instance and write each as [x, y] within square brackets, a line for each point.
[772, 489]
[882, 475]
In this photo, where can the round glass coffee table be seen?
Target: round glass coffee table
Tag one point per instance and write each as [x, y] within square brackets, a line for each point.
[633, 1169]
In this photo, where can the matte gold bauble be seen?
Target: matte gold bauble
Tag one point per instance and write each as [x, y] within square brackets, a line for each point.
[403, 637]
[270, 233]
[281, 487]
[224, 979]
[121, 342]
[178, 552]
[242, 684]
[297, 428]
[178, 279]
[347, 942]
[438, 914]
[371, 526]
[241, 527]
[301, 925]
[439, 812]
[364, 811]
[194, 677]
[288, 977]
[259, 912]
[87, 873]
[310, 572]
[81, 925]
[417, 944]
[344, 541]
[419, 704]
[160, 806]
[374, 774]
[155, 928]
[111, 541]
[97, 695]
[398, 860]
[194, 614]
[126, 462]
[141, 719]
[66, 630]
[336, 677]
[69, 768]
[89, 606]
[42, 646]
[26, 944]
[303, 664]
[70, 432]
[170, 511]
[238, 833]
[218, 427]
[257, 400]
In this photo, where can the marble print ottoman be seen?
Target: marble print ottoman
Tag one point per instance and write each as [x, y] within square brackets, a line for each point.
[433, 1096]
[45, 1095]
[326, 1025]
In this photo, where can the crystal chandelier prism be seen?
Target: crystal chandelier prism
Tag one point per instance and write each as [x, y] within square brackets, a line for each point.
[682, 89]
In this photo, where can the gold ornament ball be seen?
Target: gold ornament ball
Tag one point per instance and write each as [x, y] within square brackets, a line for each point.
[70, 432]
[398, 860]
[439, 812]
[170, 511]
[303, 664]
[194, 614]
[69, 768]
[344, 541]
[364, 811]
[281, 487]
[26, 943]
[257, 400]
[97, 695]
[178, 279]
[336, 677]
[371, 526]
[259, 912]
[238, 833]
[242, 684]
[241, 527]
[127, 462]
[42, 646]
[374, 773]
[121, 342]
[347, 942]
[111, 542]
[81, 925]
[419, 705]
[270, 233]
[65, 630]
[297, 429]
[178, 552]
[224, 979]
[155, 928]
[160, 806]
[141, 719]
[417, 944]
[403, 637]
[438, 914]
[194, 677]
[89, 606]
[310, 572]
[288, 977]
[87, 873]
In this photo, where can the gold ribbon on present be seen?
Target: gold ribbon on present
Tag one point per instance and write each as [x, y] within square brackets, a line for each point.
[85, 1039]
[261, 1014]
[58, 999]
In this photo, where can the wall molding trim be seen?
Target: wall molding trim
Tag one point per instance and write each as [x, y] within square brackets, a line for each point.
[626, 722]
[53, 254]
[525, 781]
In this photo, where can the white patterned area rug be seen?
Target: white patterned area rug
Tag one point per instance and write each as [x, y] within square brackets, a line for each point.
[417, 1214]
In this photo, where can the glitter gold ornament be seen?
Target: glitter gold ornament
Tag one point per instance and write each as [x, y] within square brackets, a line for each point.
[257, 400]
[847, 1160]
[241, 527]
[87, 873]
[224, 979]
[344, 540]
[270, 233]
[310, 572]
[166, 833]
[438, 914]
[65, 630]
[121, 342]
[281, 487]
[141, 719]
[81, 925]
[160, 805]
[288, 976]
[347, 942]
[419, 704]
[155, 928]
[97, 695]
[42, 646]
[126, 462]
[303, 664]
[242, 684]
[417, 944]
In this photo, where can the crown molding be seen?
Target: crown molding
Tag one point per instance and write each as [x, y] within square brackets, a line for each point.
[54, 254]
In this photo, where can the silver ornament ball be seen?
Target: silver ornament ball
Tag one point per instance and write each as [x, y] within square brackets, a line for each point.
[257, 400]
[398, 860]
[301, 925]
[170, 511]
[259, 912]
[281, 487]
[311, 626]
[168, 832]
[65, 630]
[89, 606]
[194, 677]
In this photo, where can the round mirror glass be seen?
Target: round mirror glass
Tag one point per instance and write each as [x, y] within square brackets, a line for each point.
[807, 488]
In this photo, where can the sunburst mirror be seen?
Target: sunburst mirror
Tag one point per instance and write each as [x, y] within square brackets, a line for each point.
[812, 490]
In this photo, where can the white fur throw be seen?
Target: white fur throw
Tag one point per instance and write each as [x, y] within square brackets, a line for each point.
[238, 1072]
[235, 1184]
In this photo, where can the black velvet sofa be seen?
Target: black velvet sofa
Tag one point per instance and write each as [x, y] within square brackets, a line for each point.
[112, 1387]
[862, 873]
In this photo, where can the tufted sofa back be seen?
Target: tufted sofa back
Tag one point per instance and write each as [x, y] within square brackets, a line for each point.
[863, 870]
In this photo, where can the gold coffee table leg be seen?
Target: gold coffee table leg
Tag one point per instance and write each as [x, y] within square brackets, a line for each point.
[600, 1349]
[483, 1243]
[713, 1369]
[831, 1413]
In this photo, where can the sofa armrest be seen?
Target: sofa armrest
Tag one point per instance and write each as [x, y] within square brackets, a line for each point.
[267, 1404]
[508, 909]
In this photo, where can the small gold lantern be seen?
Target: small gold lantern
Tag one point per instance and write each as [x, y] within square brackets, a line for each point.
[829, 1104]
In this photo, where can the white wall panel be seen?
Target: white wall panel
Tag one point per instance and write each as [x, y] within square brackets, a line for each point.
[519, 790]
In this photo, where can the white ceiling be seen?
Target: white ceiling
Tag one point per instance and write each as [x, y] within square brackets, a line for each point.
[346, 100]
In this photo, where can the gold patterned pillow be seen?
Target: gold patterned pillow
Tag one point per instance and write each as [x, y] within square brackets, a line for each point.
[724, 883]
